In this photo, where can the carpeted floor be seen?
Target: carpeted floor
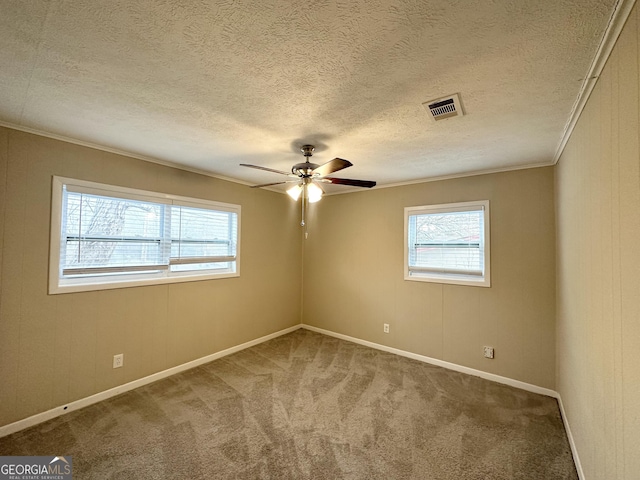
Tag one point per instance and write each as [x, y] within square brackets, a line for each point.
[309, 406]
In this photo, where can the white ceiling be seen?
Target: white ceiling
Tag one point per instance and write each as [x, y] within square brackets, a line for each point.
[211, 84]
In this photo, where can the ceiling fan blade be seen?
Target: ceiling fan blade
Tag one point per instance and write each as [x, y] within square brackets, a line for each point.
[348, 181]
[273, 183]
[267, 184]
[264, 168]
[332, 166]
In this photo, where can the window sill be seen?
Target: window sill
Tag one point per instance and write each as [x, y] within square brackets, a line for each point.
[450, 279]
[88, 286]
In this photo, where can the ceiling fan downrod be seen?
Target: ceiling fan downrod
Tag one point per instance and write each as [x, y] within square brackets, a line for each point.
[306, 168]
[310, 176]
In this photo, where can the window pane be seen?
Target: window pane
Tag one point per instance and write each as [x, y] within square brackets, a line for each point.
[221, 266]
[100, 231]
[107, 237]
[198, 232]
[450, 241]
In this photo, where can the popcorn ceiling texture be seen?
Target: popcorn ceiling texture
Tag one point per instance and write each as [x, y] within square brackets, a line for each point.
[214, 84]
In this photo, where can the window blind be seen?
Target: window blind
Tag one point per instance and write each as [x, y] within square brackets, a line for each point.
[114, 235]
[202, 239]
[447, 242]
[105, 234]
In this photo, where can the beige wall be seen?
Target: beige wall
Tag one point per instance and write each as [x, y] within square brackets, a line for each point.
[598, 279]
[353, 276]
[58, 348]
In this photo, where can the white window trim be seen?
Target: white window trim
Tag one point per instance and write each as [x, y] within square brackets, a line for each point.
[57, 285]
[443, 277]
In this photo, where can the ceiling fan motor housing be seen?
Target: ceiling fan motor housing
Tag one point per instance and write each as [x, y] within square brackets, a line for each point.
[308, 172]
[304, 169]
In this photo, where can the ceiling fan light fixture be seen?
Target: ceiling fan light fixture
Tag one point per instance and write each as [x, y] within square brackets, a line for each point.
[308, 174]
[314, 193]
[294, 192]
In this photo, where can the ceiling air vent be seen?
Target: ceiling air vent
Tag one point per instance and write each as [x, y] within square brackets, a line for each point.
[444, 107]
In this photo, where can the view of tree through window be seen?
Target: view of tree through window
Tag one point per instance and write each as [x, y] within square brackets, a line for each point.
[103, 231]
[105, 236]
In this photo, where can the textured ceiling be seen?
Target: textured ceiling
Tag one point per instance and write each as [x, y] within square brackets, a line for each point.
[209, 85]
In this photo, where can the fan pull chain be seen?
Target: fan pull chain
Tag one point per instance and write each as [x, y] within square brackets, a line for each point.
[302, 223]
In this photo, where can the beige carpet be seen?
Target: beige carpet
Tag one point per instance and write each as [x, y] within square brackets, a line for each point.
[309, 406]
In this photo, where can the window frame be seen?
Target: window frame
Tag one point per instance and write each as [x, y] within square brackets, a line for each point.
[483, 280]
[58, 285]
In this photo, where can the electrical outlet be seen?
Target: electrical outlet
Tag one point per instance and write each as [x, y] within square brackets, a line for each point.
[385, 328]
[488, 352]
[118, 360]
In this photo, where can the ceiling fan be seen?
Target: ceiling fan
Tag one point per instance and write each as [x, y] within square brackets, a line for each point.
[308, 177]
[307, 173]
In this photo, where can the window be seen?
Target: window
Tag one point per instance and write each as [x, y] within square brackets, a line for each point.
[448, 243]
[112, 237]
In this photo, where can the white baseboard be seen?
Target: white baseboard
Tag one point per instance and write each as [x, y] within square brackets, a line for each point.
[440, 363]
[574, 449]
[471, 371]
[112, 392]
[83, 402]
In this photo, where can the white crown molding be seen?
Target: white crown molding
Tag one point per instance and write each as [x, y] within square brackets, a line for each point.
[473, 173]
[616, 23]
[117, 151]
[178, 166]
[619, 17]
